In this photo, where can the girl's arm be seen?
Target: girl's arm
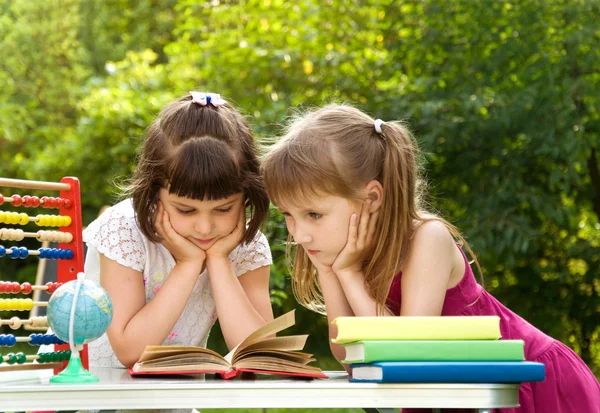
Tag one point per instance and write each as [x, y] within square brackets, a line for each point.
[425, 276]
[434, 265]
[363, 305]
[337, 306]
[136, 324]
[348, 265]
[243, 304]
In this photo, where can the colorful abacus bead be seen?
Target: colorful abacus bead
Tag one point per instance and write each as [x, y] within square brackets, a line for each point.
[26, 288]
[12, 234]
[7, 340]
[44, 339]
[55, 253]
[19, 252]
[54, 357]
[15, 323]
[52, 286]
[31, 201]
[53, 221]
[16, 304]
[18, 358]
[9, 287]
[39, 321]
[4, 287]
[17, 200]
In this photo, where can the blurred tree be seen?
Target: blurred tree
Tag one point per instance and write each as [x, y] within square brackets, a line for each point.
[41, 78]
[111, 28]
[504, 100]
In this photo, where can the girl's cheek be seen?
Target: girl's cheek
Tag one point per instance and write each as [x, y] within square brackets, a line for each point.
[290, 226]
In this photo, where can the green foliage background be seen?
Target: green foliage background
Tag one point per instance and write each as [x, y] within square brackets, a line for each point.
[503, 97]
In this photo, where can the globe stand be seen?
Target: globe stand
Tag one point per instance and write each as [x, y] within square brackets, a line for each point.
[74, 373]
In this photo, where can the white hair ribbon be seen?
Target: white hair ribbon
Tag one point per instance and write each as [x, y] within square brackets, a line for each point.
[202, 98]
[378, 123]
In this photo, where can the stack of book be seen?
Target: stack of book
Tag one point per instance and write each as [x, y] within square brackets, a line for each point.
[433, 350]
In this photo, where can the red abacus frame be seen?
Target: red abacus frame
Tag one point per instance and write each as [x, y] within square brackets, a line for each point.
[67, 268]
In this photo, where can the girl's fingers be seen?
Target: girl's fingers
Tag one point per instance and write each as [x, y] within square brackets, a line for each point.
[241, 225]
[242, 221]
[158, 220]
[166, 225]
[371, 229]
[353, 231]
[364, 224]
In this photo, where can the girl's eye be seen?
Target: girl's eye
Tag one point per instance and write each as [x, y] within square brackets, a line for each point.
[185, 211]
[315, 215]
[224, 210]
[287, 216]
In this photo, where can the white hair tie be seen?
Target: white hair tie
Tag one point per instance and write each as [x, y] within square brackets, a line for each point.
[203, 98]
[378, 123]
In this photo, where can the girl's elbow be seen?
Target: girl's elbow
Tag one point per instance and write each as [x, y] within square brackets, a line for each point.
[127, 359]
[126, 355]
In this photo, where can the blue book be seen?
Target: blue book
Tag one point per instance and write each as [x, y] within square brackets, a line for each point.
[448, 372]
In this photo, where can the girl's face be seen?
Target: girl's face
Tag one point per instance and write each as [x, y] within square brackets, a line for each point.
[321, 225]
[203, 222]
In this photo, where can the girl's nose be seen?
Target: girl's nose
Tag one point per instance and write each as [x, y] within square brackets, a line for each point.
[203, 227]
[300, 236]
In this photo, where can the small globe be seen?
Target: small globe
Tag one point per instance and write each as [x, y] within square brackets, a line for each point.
[93, 311]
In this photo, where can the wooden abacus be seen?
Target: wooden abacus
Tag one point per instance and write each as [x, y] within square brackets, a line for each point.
[70, 256]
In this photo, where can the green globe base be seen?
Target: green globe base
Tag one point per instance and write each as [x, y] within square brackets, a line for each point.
[74, 373]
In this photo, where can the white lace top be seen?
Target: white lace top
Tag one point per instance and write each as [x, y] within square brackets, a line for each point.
[116, 235]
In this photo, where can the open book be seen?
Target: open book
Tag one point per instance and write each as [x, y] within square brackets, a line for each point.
[261, 352]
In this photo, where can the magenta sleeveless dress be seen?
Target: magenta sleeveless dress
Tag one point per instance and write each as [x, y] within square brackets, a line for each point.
[570, 386]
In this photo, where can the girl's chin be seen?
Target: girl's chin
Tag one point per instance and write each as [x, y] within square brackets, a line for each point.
[327, 261]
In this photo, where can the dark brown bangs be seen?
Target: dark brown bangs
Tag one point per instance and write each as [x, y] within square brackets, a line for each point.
[204, 169]
[294, 176]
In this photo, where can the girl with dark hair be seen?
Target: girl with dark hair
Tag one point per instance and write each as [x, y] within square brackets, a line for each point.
[178, 252]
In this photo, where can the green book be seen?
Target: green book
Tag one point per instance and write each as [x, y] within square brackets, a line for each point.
[438, 350]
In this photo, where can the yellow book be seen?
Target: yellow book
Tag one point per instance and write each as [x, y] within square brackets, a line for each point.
[351, 329]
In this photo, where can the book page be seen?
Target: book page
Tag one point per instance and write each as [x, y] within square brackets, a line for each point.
[277, 365]
[277, 343]
[295, 356]
[273, 327]
[184, 359]
[158, 352]
[196, 368]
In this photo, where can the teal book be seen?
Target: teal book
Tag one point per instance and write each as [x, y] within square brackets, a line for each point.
[448, 372]
[434, 350]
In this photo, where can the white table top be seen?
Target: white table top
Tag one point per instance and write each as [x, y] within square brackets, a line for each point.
[31, 390]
